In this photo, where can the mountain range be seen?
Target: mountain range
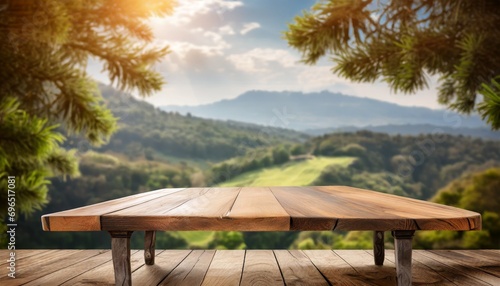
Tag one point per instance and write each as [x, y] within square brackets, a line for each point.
[323, 110]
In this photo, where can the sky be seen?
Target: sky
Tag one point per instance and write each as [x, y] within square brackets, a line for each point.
[223, 48]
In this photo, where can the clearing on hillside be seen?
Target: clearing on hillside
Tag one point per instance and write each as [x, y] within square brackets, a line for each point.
[294, 173]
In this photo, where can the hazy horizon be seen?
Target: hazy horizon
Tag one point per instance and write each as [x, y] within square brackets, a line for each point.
[221, 49]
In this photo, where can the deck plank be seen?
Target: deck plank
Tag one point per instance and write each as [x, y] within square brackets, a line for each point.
[465, 258]
[226, 268]
[25, 253]
[103, 275]
[471, 269]
[492, 254]
[450, 273]
[165, 262]
[22, 254]
[297, 268]
[95, 259]
[192, 270]
[421, 273]
[366, 270]
[334, 268]
[261, 269]
[36, 266]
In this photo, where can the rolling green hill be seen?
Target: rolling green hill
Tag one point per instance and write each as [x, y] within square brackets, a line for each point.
[294, 173]
[146, 132]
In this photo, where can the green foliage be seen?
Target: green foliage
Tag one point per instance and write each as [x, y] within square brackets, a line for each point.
[29, 151]
[334, 240]
[146, 131]
[413, 166]
[228, 240]
[197, 239]
[404, 41]
[169, 240]
[280, 156]
[477, 192]
[298, 149]
[490, 107]
[44, 52]
[352, 149]
[269, 240]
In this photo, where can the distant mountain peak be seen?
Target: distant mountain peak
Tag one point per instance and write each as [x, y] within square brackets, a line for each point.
[323, 109]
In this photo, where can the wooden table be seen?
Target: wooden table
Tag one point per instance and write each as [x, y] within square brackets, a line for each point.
[262, 209]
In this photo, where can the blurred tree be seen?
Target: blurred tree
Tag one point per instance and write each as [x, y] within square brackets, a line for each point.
[44, 51]
[280, 155]
[404, 41]
[477, 192]
[227, 240]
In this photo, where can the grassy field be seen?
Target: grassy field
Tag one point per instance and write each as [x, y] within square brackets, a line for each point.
[296, 173]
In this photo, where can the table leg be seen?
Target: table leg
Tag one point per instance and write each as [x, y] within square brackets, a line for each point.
[378, 247]
[149, 247]
[120, 250]
[402, 251]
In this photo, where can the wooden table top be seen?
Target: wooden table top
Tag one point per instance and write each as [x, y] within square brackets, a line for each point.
[263, 209]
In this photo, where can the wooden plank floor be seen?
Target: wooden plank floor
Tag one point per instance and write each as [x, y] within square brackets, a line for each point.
[252, 267]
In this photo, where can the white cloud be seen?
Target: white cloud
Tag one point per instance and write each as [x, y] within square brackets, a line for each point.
[186, 10]
[229, 4]
[260, 60]
[226, 30]
[249, 27]
[210, 44]
[182, 48]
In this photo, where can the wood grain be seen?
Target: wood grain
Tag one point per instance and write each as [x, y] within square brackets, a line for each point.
[264, 209]
[149, 247]
[402, 252]
[261, 201]
[390, 212]
[191, 270]
[334, 268]
[226, 268]
[34, 267]
[103, 274]
[90, 260]
[261, 269]
[120, 250]
[88, 218]
[192, 209]
[488, 265]
[339, 267]
[297, 268]
[308, 209]
[378, 247]
[166, 262]
[472, 269]
[367, 273]
[458, 277]
[422, 274]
